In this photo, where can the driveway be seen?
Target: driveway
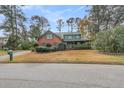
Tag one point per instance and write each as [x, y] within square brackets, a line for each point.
[61, 75]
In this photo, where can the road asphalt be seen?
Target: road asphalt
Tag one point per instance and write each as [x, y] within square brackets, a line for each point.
[39, 75]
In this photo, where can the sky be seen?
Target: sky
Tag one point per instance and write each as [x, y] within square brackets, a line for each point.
[53, 12]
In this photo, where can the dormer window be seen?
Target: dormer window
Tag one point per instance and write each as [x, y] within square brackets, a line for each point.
[49, 36]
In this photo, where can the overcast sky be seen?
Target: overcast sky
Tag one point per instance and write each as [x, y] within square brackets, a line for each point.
[54, 12]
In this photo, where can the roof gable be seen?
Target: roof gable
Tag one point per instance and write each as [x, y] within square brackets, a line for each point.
[50, 33]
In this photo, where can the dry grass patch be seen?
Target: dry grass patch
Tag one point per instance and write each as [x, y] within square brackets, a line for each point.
[79, 56]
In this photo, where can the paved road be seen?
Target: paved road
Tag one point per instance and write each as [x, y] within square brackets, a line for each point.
[61, 75]
[3, 57]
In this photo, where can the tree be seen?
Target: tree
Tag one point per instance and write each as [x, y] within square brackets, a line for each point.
[60, 24]
[68, 24]
[82, 24]
[10, 24]
[71, 24]
[105, 17]
[21, 26]
[77, 22]
[97, 16]
[7, 12]
[38, 25]
[111, 41]
[35, 31]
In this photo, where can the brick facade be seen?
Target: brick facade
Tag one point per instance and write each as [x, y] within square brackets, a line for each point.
[43, 40]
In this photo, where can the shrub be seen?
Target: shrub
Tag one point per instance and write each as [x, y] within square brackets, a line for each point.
[60, 46]
[35, 45]
[111, 41]
[85, 45]
[13, 42]
[26, 45]
[33, 49]
[40, 49]
[48, 45]
[53, 48]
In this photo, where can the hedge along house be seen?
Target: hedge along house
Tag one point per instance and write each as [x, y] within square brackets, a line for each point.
[70, 39]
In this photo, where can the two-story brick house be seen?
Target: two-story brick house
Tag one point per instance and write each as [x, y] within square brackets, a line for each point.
[68, 38]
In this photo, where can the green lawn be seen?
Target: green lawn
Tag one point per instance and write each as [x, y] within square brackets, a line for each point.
[3, 52]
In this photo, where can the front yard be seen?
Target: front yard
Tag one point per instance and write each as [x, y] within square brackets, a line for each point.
[70, 56]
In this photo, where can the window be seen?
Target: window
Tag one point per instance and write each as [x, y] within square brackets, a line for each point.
[49, 36]
[65, 37]
[68, 37]
[77, 37]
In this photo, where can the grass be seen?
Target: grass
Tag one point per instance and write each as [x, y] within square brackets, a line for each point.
[2, 52]
[71, 56]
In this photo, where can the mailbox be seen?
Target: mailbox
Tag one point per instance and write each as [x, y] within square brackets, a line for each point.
[10, 53]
